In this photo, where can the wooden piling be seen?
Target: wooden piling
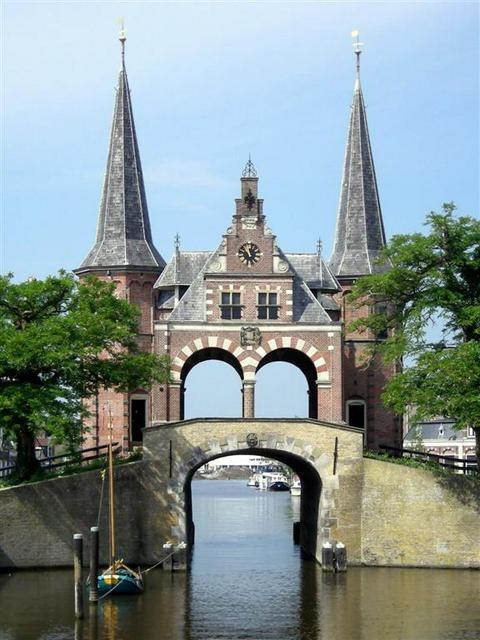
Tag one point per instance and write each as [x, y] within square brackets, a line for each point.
[168, 562]
[340, 557]
[180, 557]
[327, 557]
[77, 573]
[296, 532]
[93, 595]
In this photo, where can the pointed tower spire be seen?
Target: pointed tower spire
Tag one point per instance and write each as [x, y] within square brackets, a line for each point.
[124, 238]
[359, 234]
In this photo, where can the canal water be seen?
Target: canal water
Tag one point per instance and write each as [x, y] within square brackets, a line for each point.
[248, 582]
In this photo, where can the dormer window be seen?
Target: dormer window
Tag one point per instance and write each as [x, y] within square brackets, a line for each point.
[267, 307]
[231, 305]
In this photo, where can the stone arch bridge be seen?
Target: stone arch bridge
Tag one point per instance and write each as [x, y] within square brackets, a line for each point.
[307, 446]
[385, 514]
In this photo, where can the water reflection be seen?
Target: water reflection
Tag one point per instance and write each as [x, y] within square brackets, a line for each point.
[249, 582]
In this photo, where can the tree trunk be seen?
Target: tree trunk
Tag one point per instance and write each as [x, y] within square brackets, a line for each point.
[476, 431]
[26, 463]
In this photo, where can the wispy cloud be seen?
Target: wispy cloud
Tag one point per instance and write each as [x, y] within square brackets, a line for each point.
[185, 174]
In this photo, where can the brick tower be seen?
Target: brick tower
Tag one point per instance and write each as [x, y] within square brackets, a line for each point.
[359, 238]
[124, 253]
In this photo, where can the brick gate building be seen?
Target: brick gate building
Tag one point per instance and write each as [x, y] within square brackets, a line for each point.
[247, 302]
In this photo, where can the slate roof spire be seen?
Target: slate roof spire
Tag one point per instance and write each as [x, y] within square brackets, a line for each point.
[359, 234]
[124, 238]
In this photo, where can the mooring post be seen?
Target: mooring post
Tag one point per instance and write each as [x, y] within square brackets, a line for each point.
[93, 596]
[168, 562]
[180, 557]
[296, 532]
[340, 557]
[77, 573]
[93, 623]
[78, 631]
[327, 557]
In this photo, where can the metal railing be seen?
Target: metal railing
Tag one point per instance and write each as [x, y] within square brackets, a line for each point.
[66, 459]
[460, 465]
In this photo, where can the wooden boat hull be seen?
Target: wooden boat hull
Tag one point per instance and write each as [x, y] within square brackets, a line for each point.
[120, 582]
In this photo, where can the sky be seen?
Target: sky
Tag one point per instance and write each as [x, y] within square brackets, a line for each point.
[212, 82]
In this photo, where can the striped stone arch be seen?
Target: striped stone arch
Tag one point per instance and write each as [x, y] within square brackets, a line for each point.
[249, 359]
[287, 342]
[205, 342]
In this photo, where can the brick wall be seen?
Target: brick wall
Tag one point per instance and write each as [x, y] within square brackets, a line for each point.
[319, 355]
[137, 288]
[364, 378]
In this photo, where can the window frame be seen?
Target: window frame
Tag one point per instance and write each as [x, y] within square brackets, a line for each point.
[231, 306]
[268, 306]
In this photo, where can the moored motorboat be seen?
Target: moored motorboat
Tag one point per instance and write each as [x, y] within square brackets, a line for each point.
[269, 477]
[254, 480]
[296, 488]
[279, 486]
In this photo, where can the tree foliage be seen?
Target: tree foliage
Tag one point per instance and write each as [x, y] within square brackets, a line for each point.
[433, 285]
[60, 341]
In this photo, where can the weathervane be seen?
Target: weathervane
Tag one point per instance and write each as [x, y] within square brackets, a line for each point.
[177, 243]
[319, 257]
[358, 48]
[249, 171]
[122, 36]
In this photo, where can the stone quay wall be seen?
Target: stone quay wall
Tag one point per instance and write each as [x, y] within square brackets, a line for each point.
[412, 517]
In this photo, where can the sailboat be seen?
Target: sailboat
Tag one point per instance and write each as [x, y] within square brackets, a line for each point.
[118, 578]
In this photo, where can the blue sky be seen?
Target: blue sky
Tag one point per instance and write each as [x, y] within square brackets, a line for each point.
[212, 82]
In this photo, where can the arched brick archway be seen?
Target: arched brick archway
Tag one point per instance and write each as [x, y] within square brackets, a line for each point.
[289, 346]
[300, 360]
[211, 344]
[247, 360]
[202, 355]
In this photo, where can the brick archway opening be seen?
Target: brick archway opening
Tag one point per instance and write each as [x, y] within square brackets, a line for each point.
[202, 355]
[309, 502]
[300, 360]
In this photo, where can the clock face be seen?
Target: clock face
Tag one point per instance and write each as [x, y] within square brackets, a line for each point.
[249, 253]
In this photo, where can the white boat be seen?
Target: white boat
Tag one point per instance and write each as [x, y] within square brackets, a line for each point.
[254, 480]
[296, 488]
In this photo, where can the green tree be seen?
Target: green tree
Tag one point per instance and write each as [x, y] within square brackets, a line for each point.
[60, 341]
[434, 281]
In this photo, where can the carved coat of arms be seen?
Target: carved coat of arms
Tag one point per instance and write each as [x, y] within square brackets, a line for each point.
[250, 337]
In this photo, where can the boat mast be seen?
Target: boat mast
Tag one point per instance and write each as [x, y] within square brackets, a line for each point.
[110, 486]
